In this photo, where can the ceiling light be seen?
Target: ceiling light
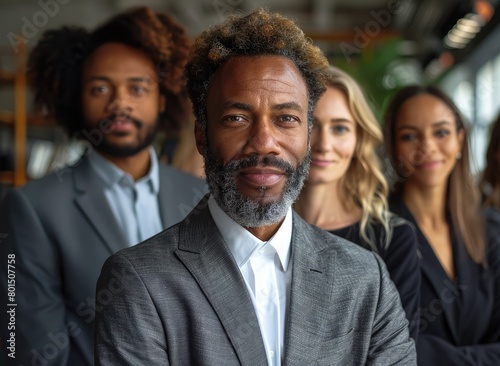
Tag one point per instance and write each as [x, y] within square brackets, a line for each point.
[463, 26]
[451, 44]
[461, 33]
[457, 39]
[468, 22]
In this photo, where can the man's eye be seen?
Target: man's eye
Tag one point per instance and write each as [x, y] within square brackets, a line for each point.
[288, 118]
[233, 118]
[99, 89]
[138, 90]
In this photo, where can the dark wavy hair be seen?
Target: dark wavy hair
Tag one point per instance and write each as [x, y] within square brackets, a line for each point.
[259, 33]
[462, 196]
[491, 173]
[55, 64]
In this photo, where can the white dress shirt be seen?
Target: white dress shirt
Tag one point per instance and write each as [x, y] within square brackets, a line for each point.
[134, 203]
[264, 266]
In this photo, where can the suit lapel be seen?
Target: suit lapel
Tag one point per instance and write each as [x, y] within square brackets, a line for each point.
[311, 272]
[93, 204]
[206, 256]
[468, 275]
[442, 285]
[432, 270]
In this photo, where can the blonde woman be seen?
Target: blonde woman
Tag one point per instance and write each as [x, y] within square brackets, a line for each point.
[345, 193]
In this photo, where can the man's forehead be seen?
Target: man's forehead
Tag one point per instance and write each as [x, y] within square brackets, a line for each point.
[118, 58]
[260, 62]
[269, 72]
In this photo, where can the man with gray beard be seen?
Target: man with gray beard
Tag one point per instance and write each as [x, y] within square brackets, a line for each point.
[243, 280]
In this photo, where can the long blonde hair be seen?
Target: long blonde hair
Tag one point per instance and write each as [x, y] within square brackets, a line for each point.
[364, 182]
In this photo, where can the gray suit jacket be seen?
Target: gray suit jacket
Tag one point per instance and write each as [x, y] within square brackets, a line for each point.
[61, 230]
[180, 299]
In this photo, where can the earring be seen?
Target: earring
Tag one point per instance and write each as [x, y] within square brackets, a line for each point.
[459, 156]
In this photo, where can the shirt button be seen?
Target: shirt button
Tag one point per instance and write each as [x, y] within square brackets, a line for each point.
[271, 353]
[262, 250]
[265, 291]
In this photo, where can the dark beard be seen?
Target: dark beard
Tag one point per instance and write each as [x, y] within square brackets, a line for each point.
[250, 212]
[125, 150]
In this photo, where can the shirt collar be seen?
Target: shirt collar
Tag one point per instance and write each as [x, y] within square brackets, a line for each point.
[112, 174]
[243, 244]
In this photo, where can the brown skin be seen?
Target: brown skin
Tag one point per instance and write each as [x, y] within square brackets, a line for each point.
[257, 106]
[119, 80]
[428, 143]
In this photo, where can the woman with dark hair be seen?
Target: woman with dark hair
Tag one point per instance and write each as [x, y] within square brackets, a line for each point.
[490, 182]
[426, 140]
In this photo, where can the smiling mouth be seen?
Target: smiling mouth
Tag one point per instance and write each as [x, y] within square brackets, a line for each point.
[321, 163]
[429, 164]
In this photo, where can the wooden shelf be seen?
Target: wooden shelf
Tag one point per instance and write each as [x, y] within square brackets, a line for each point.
[7, 77]
[6, 177]
[8, 118]
[38, 120]
[17, 117]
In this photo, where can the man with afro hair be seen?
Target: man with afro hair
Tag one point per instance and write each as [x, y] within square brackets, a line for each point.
[112, 88]
[243, 280]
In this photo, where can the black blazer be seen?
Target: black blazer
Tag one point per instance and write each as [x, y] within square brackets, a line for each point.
[401, 258]
[459, 319]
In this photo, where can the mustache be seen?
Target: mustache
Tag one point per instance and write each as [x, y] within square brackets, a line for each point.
[254, 161]
[137, 123]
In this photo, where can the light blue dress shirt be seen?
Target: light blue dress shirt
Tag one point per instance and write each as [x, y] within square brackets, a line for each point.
[265, 268]
[134, 204]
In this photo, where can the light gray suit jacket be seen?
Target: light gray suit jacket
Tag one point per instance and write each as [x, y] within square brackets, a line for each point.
[180, 299]
[61, 230]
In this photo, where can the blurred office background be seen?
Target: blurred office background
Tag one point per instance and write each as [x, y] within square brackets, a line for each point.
[384, 44]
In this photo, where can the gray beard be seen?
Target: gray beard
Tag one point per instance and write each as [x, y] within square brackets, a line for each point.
[250, 212]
